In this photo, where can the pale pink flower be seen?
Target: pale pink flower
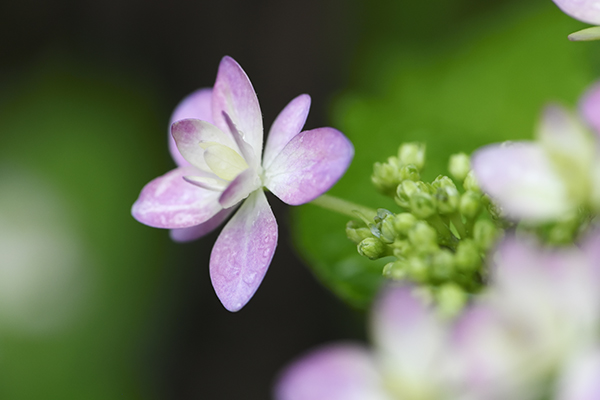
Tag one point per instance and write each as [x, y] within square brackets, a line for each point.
[221, 166]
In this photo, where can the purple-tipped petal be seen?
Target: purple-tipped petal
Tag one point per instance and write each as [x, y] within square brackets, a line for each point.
[243, 252]
[170, 202]
[589, 106]
[196, 232]
[581, 380]
[583, 10]
[309, 165]
[288, 124]
[244, 184]
[196, 105]
[233, 94]
[336, 372]
[189, 133]
[521, 179]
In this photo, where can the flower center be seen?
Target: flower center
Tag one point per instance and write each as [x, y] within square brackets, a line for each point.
[225, 162]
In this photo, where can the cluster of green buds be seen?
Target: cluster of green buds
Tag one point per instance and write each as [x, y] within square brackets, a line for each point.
[441, 233]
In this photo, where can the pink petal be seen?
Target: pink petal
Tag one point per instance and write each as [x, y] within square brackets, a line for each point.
[288, 124]
[336, 372]
[589, 106]
[189, 133]
[233, 94]
[521, 179]
[170, 202]
[196, 232]
[583, 10]
[309, 165]
[243, 252]
[196, 105]
[245, 183]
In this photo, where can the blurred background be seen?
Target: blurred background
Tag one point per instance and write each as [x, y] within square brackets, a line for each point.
[94, 305]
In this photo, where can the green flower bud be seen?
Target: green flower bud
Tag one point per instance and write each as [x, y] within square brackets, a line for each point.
[423, 237]
[404, 192]
[442, 265]
[446, 195]
[418, 270]
[385, 177]
[357, 231]
[425, 187]
[373, 249]
[459, 166]
[470, 204]
[451, 299]
[387, 229]
[396, 270]
[412, 153]
[404, 222]
[495, 211]
[485, 234]
[401, 248]
[409, 172]
[422, 205]
[467, 256]
[470, 182]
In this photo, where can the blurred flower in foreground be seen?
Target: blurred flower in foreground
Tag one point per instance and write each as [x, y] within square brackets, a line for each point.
[42, 277]
[584, 10]
[219, 159]
[533, 335]
[549, 178]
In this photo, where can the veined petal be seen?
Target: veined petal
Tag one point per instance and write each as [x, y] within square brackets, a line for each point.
[196, 232]
[583, 10]
[189, 134]
[335, 372]
[170, 202]
[589, 107]
[521, 179]
[197, 105]
[246, 150]
[309, 165]
[233, 94]
[244, 184]
[288, 124]
[242, 253]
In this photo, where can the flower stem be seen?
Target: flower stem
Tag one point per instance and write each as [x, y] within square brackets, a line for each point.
[344, 207]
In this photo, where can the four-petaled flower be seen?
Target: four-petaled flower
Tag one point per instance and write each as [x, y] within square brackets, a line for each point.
[219, 141]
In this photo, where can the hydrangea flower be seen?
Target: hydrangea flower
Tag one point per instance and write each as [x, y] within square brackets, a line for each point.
[551, 177]
[584, 10]
[218, 149]
[538, 322]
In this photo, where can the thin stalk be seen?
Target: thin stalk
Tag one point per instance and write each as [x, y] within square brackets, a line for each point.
[343, 207]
